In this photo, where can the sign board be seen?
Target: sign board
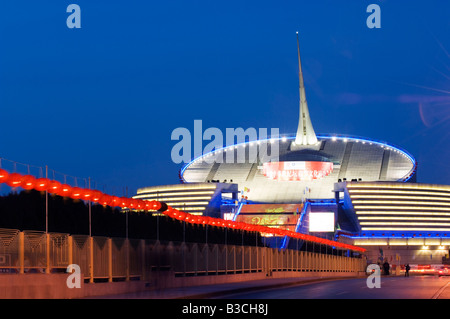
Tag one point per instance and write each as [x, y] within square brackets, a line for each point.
[321, 222]
[296, 171]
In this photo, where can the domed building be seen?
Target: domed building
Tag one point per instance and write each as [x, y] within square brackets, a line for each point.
[354, 189]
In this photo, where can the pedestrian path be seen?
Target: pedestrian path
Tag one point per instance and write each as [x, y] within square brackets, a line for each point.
[211, 291]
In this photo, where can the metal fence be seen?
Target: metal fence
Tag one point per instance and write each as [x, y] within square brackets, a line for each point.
[110, 259]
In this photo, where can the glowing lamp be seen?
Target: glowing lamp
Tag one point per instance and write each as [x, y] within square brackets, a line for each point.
[28, 182]
[54, 187]
[105, 200]
[65, 190]
[155, 205]
[198, 220]
[148, 205]
[182, 215]
[140, 204]
[3, 176]
[41, 184]
[77, 193]
[115, 201]
[171, 212]
[14, 180]
[96, 195]
[86, 194]
[133, 203]
[124, 202]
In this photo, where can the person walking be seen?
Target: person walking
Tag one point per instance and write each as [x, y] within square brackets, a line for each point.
[386, 267]
[407, 268]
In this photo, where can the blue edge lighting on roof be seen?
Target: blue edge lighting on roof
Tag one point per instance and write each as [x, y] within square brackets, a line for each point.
[333, 137]
[319, 136]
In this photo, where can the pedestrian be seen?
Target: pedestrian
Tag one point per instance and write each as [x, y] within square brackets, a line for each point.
[407, 268]
[386, 268]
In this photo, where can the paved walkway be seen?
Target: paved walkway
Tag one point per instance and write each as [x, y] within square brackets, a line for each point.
[211, 291]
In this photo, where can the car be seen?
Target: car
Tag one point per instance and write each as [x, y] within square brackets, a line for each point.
[443, 271]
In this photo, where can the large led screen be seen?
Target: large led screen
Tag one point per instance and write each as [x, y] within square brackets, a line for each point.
[283, 216]
[321, 222]
[296, 171]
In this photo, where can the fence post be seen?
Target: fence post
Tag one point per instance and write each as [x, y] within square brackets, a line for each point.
[243, 258]
[143, 261]
[91, 259]
[110, 260]
[70, 249]
[127, 247]
[207, 258]
[226, 258]
[21, 252]
[217, 258]
[234, 259]
[47, 252]
[250, 259]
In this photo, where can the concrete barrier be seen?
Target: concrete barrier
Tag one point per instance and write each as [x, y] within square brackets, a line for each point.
[54, 286]
[37, 286]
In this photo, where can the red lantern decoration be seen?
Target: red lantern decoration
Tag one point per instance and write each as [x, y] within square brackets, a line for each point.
[96, 195]
[133, 203]
[155, 205]
[77, 193]
[65, 190]
[140, 204]
[41, 184]
[147, 205]
[14, 180]
[181, 216]
[54, 187]
[213, 221]
[115, 201]
[105, 200]
[196, 219]
[124, 202]
[86, 194]
[171, 212]
[3, 176]
[28, 182]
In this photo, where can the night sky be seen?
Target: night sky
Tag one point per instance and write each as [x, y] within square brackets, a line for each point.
[103, 100]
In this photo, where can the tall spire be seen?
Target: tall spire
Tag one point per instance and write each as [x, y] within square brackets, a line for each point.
[305, 131]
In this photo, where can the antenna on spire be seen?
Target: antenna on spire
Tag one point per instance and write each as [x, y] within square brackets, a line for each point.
[305, 131]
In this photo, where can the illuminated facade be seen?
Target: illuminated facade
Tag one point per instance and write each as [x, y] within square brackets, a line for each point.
[410, 221]
[363, 190]
[197, 199]
[338, 158]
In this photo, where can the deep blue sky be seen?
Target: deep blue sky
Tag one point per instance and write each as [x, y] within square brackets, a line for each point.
[102, 101]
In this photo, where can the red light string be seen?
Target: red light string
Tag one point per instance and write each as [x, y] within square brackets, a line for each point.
[29, 182]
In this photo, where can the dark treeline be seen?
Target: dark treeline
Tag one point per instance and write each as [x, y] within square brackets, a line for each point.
[27, 210]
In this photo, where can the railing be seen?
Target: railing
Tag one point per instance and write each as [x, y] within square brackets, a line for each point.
[113, 259]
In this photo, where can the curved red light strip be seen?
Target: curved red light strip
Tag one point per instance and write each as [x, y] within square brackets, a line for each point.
[54, 187]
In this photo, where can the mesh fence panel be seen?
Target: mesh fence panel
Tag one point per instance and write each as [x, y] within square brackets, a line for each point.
[9, 248]
[119, 257]
[101, 257]
[80, 253]
[59, 250]
[35, 250]
[123, 258]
